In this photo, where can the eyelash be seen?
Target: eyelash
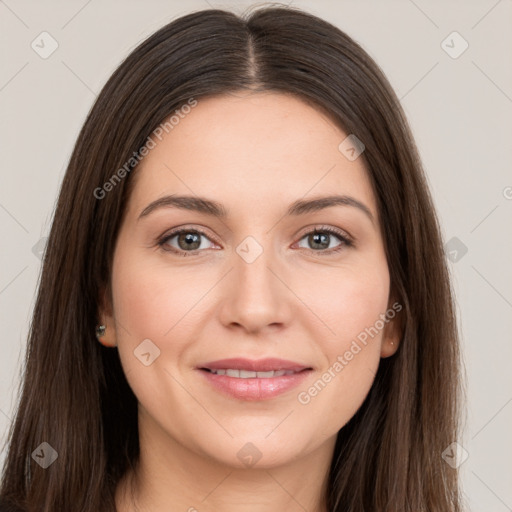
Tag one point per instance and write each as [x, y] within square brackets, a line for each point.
[343, 237]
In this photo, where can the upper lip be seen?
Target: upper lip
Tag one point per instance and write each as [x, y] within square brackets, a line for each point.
[260, 365]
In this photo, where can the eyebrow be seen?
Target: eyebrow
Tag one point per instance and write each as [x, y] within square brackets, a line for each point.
[215, 209]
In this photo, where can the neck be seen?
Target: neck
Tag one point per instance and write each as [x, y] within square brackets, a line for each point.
[169, 475]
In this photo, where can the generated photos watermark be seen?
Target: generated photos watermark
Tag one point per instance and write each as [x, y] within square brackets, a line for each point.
[151, 143]
[305, 397]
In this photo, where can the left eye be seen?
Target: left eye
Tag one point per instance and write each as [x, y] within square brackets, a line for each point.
[320, 239]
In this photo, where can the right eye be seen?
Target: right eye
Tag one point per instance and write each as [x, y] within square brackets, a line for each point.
[187, 241]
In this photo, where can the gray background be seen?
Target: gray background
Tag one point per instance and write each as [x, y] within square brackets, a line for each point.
[460, 110]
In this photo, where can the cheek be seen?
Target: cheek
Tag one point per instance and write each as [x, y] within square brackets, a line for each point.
[154, 302]
[351, 308]
[152, 299]
[349, 300]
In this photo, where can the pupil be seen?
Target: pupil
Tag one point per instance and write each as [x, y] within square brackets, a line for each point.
[190, 239]
[320, 239]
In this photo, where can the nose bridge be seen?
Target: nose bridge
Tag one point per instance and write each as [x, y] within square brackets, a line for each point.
[252, 261]
[257, 296]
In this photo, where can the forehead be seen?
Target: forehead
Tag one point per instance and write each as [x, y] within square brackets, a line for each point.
[250, 149]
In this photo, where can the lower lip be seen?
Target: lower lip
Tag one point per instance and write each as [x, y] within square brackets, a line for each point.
[254, 388]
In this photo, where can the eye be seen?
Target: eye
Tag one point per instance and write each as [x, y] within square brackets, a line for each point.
[186, 240]
[320, 239]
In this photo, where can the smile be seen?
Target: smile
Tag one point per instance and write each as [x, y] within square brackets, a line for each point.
[246, 374]
[253, 386]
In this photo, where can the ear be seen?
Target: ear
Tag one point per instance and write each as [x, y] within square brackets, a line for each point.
[106, 318]
[393, 330]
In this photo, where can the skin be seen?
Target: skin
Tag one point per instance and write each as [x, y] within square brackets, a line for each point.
[256, 154]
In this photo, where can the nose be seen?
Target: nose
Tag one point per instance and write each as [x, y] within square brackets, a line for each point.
[256, 297]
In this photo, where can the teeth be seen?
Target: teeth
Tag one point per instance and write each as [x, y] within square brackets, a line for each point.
[246, 374]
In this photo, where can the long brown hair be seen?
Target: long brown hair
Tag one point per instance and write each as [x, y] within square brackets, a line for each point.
[74, 393]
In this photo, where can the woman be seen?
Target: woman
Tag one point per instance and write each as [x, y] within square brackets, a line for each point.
[303, 355]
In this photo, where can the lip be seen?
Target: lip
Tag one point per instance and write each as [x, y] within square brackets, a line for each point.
[260, 365]
[252, 389]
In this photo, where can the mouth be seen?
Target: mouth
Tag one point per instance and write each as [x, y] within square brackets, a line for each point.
[251, 380]
[248, 374]
[269, 364]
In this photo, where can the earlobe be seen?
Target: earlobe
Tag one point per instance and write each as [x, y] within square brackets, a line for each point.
[393, 330]
[104, 337]
[105, 331]
[389, 347]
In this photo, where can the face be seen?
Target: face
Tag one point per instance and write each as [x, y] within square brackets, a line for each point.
[191, 287]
